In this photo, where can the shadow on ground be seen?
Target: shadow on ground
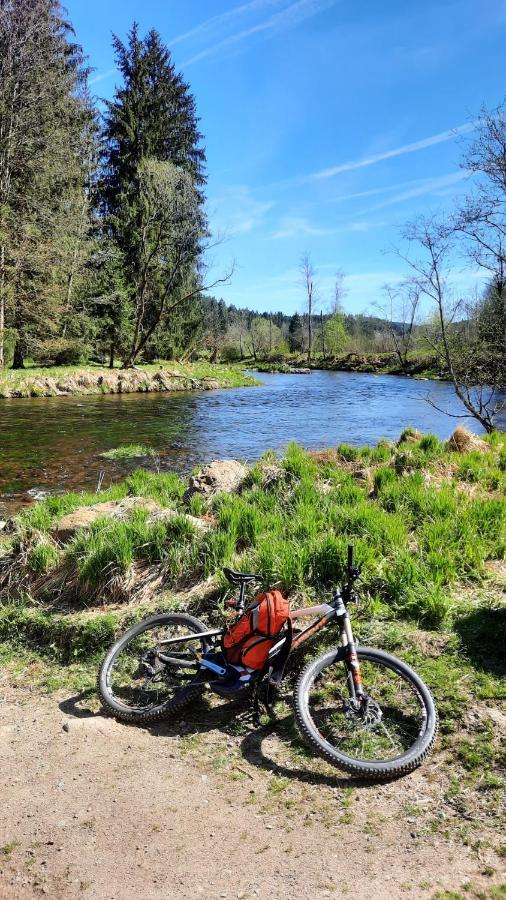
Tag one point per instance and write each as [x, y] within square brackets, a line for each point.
[231, 718]
[478, 632]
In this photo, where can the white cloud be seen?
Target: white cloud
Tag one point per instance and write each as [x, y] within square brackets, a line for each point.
[216, 23]
[102, 76]
[288, 18]
[440, 185]
[237, 211]
[295, 226]
[390, 154]
[298, 226]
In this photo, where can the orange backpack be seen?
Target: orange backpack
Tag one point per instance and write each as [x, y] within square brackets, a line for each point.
[248, 641]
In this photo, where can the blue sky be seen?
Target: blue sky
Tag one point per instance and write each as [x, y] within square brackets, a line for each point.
[327, 124]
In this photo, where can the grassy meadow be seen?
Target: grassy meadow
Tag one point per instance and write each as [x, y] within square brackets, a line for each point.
[428, 522]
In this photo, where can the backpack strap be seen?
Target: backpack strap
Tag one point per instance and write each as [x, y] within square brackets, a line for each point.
[280, 660]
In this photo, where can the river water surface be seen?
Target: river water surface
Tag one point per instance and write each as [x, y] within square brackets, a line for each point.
[54, 444]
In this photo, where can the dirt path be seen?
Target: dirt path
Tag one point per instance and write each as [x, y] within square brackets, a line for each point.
[95, 809]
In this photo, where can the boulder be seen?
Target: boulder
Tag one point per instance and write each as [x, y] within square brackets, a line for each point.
[220, 476]
[64, 530]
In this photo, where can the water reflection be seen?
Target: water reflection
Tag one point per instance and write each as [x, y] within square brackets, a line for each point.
[54, 443]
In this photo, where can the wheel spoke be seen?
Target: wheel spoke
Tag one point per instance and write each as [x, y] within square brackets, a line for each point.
[140, 680]
[383, 728]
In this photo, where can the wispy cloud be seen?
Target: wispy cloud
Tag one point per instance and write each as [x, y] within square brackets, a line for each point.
[298, 226]
[102, 76]
[423, 144]
[287, 18]
[438, 185]
[237, 211]
[219, 22]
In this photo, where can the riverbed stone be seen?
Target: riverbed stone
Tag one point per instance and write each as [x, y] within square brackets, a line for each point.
[64, 530]
[220, 476]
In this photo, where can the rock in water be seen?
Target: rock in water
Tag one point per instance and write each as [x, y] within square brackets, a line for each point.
[220, 476]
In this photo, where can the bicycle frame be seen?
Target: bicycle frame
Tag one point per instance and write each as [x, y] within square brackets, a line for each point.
[325, 612]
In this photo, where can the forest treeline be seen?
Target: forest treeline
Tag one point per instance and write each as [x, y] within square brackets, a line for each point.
[104, 234]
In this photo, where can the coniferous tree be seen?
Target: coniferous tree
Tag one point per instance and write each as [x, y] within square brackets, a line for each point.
[44, 112]
[295, 332]
[152, 118]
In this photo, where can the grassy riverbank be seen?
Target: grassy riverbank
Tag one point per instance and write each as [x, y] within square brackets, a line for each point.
[418, 365]
[94, 379]
[428, 522]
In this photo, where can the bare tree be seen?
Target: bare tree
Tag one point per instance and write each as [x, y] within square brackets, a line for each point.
[340, 291]
[481, 219]
[400, 311]
[307, 277]
[461, 359]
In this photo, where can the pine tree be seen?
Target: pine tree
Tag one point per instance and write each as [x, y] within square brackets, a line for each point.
[43, 113]
[295, 333]
[151, 118]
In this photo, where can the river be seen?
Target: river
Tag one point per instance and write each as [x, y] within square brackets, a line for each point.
[54, 444]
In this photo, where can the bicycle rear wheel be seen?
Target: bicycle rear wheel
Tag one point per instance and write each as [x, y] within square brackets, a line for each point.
[387, 735]
[136, 685]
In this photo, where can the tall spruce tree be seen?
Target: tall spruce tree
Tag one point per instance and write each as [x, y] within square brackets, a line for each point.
[151, 118]
[44, 111]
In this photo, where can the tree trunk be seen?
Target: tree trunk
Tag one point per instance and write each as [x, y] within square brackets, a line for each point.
[17, 362]
[111, 355]
[2, 306]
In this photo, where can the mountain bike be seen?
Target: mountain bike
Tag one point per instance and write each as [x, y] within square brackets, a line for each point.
[360, 708]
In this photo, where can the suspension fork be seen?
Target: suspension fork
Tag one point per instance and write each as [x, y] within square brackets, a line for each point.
[353, 674]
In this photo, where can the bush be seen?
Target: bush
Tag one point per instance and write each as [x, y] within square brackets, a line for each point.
[230, 353]
[71, 353]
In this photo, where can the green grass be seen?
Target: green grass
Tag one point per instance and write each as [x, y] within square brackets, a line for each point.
[128, 451]
[422, 538]
[418, 535]
[28, 382]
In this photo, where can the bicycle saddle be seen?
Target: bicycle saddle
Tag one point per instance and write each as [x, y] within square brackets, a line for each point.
[240, 577]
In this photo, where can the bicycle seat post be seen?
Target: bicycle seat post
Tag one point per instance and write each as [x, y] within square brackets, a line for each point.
[242, 590]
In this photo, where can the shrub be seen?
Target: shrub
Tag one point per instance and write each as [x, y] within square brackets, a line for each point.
[71, 353]
[230, 353]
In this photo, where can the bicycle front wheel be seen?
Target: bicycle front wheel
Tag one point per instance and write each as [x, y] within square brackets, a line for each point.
[387, 735]
[142, 679]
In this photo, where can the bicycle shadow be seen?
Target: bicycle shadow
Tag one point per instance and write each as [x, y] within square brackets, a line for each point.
[71, 706]
[229, 718]
[253, 752]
